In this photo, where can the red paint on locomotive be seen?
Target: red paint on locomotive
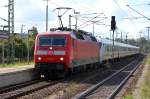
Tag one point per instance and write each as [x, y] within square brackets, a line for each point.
[76, 52]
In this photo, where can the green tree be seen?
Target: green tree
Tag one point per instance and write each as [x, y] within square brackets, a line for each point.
[132, 42]
[33, 32]
[20, 47]
[32, 35]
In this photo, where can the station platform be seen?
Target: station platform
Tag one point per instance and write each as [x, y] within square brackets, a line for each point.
[16, 75]
[15, 69]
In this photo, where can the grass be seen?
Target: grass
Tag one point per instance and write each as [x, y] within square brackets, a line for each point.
[16, 64]
[128, 97]
[145, 88]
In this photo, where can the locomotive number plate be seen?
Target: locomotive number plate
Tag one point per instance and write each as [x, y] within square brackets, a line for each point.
[49, 58]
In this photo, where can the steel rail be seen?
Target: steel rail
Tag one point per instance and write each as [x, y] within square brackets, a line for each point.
[94, 87]
[123, 82]
[13, 95]
[17, 86]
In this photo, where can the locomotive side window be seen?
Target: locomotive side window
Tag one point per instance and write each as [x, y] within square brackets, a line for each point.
[52, 41]
[93, 39]
[79, 36]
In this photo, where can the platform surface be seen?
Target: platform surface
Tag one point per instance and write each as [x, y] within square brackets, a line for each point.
[15, 69]
[17, 75]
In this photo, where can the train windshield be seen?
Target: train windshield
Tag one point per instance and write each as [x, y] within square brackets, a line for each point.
[52, 41]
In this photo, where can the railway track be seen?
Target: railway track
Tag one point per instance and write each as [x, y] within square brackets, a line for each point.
[40, 88]
[17, 86]
[25, 88]
[110, 86]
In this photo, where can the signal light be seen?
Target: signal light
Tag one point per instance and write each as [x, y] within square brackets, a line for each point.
[113, 23]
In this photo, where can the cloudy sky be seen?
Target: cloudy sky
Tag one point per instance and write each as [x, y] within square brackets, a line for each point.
[32, 13]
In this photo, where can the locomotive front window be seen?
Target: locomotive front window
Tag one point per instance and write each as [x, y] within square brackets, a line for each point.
[45, 41]
[58, 41]
[52, 41]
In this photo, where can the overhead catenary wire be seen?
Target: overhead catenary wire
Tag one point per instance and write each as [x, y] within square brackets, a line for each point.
[140, 4]
[123, 10]
[138, 12]
[3, 19]
[120, 7]
[90, 20]
[82, 19]
[133, 17]
[129, 14]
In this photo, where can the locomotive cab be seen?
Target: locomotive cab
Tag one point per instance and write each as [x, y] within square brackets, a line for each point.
[51, 53]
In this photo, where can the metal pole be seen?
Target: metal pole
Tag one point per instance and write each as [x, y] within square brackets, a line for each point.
[148, 32]
[28, 53]
[9, 40]
[76, 26]
[110, 35]
[121, 38]
[22, 26]
[116, 35]
[70, 21]
[21, 58]
[76, 23]
[3, 53]
[12, 22]
[113, 47]
[140, 34]
[93, 28]
[126, 39]
[11, 30]
[47, 16]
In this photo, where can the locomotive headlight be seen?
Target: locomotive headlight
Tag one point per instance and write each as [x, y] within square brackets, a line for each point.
[61, 58]
[39, 58]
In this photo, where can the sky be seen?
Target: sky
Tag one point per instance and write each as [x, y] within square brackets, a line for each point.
[32, 13]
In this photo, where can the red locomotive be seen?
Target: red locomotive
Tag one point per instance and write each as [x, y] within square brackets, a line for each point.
[59, 52]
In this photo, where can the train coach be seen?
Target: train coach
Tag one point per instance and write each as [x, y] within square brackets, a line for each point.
[61, 51]
[120, 50]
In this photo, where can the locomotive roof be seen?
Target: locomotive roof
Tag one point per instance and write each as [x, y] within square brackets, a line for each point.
[75, 34]
[55, 32]
[110, 42]
[65, 30]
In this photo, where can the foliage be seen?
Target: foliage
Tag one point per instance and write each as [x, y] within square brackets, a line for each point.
[20, 45]
[128, 97]
[16, 64]
[33, 32]
[145, 89]
[32, 37]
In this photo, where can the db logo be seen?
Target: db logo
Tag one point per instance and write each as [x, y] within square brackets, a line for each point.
[50, 52]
